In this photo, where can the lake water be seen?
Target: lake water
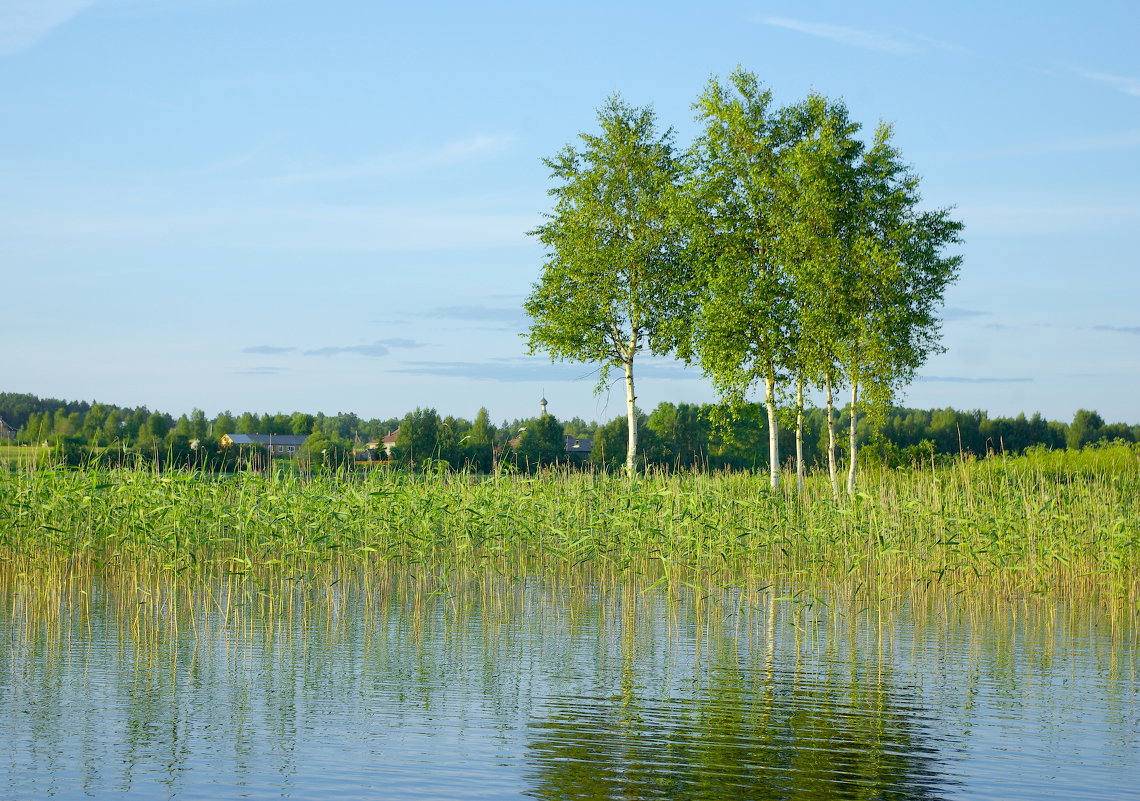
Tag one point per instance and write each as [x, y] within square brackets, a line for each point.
[504, 689]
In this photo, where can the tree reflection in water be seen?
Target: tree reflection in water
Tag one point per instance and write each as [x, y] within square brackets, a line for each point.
[572, 687]
[752, 715]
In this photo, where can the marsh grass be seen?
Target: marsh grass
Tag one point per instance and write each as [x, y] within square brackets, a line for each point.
[590, 668]
[1060, 524]
[23, 456]
[48, 613]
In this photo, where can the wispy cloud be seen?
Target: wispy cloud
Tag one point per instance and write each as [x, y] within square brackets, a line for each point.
[853, 37]
[270, 350]
[506, 369]
[496, 318]
[1120, 329]
[381, 347]
[954, 314]
[25, 22]
[953, 379]
[355, 229]
[361, 350]
[408, 161]
[260, 371]
[1125, 83]
[495, 313]
[537, 368]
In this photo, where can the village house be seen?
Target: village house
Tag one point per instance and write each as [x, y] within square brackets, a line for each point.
[274, 443]
[388, 442]
[578, 445]
[385, 443]
[581, 446]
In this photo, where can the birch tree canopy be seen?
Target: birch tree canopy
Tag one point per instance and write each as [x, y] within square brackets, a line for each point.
[614, 283]
[739, 334]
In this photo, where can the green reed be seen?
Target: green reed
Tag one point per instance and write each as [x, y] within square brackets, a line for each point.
[1061, 523]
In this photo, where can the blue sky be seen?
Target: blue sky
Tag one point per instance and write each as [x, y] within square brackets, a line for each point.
[273, 206]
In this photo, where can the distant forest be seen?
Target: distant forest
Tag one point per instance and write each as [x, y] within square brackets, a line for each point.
[682, 436]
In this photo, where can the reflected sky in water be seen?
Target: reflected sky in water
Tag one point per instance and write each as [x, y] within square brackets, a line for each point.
[500, 689]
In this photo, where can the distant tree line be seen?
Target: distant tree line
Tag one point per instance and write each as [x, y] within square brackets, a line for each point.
[672, 436]
[689, 436]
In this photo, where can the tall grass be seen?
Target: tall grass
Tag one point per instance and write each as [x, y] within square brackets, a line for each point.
[1060, 523]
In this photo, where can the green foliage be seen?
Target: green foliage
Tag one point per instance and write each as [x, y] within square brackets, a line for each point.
[815, 261]
[224, 423]
[321, 454]
[614, 282]
[899, 275]
[746, 305]
[1084, 429]
[682, 434]
[476, 447]
[69, 451]
[542, 444]
[611, 440]
[423, 436]
[199, 426]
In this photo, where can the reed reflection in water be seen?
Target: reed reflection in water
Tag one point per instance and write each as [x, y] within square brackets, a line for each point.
[398, 686]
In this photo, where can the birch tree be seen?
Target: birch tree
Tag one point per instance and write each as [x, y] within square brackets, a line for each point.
[614, 283]
[739, 334]
[817, 185]
[897, 276]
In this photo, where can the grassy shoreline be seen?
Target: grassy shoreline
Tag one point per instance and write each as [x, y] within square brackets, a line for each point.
[1060, 523]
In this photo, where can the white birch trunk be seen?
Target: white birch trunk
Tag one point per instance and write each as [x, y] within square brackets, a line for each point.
[853, 461]
[832, 467]
[800, 470]
[631, 420]
[773, 430]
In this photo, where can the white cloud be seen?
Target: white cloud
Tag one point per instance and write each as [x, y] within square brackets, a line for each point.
[25, 22]
[380, 228]
[955, 379]
[381, 347]
[541, 368]
[458, 152]
[952, 314]
[1120, 329]
[1128, 85]
[854, 37]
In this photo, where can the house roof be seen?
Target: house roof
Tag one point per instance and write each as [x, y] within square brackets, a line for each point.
[571, 444]
[578, 444]
[268, 439]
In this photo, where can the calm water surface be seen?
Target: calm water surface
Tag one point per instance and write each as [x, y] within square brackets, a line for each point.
[502, 689]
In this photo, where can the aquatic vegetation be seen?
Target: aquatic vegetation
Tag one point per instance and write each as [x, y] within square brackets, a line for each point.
[1061, 523]
[678, 636]
[173, 683]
